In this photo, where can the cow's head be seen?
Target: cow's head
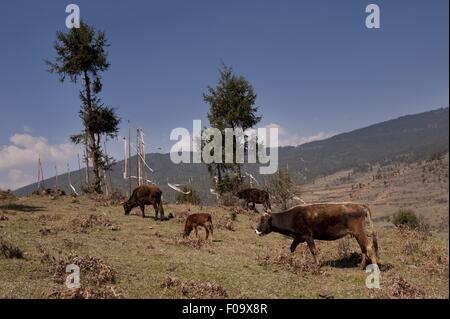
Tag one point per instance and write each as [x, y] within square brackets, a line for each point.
[127, 208]
[238, 194]
[265, 225]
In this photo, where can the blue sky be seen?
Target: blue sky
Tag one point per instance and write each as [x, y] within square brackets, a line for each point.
[316, 68]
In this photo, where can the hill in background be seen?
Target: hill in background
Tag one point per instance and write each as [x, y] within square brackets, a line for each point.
[406, 139]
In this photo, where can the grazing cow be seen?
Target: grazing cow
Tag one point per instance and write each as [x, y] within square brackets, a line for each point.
[331, 221]
[255, 196]
[195, 220]
[145, 195]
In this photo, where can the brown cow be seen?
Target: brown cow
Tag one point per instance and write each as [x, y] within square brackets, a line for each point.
[255, 196]
[331, 221]
[145, 195]
[195, 220]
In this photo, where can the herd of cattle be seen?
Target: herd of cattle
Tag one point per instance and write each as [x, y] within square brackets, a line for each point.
[303, 223]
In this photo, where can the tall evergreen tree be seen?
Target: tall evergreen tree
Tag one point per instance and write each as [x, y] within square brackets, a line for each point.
[232, 105]
[81, 54]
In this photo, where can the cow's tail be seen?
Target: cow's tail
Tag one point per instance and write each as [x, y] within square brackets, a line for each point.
[373, 234]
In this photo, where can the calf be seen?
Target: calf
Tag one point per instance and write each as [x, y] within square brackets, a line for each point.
[305, 223]
[255, 196]
[195, 220]
[145, 195]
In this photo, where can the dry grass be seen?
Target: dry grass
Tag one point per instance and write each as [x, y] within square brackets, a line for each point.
[398, 288]
[88, 293]
[226, 222]
[144, 253]
[45, 218]
[7, 196]
[191, 242]
[83, 224]
[297, 264]
[192, 289]
[95, 271]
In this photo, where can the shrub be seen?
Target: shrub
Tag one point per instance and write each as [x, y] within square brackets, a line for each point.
[10, 251]
[406, 218]
[228, 200]
[228, 184]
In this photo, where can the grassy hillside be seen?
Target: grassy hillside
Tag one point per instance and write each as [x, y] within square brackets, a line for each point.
[403, 140]
[421, 186]
[132, 257]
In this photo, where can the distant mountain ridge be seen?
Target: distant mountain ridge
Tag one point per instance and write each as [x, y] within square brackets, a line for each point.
[405, 139]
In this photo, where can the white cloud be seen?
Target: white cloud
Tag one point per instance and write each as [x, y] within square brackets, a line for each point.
[27, 129]
[25, 149]
[16, 178]
[286, 138]
[18, 160]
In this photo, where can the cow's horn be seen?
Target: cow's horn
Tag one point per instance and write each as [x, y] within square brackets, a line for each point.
[258, 232]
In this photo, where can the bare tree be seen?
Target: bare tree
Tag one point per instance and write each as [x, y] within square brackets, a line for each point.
[281, 188]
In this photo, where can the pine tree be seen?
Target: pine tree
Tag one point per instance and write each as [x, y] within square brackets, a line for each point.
[232, 105]
[81, 55]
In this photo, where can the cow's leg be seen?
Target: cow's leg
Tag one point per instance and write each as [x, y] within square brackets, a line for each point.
[142, 206]
[313, 250]
[161, 210]
[211, 227]
[366, 249]
[372, 254]
[207, 231]
[195, 231]
[156, 208]
[294, 244]
[187, 232]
